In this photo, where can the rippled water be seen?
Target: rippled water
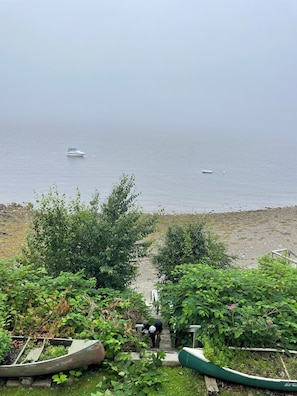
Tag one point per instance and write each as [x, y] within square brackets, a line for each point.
[248, 173]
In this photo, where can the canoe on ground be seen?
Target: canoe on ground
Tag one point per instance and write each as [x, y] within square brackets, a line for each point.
[28, 356]
[194, 358]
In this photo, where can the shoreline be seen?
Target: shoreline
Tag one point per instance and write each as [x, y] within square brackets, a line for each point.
[247, 234]
[25, 205]
[253, 234]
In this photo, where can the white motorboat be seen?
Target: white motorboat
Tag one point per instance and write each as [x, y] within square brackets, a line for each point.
[207, 171]
[74, 152]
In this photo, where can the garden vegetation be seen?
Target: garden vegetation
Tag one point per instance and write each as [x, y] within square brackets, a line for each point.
[73, 276]
[100, 240]
[239, 308]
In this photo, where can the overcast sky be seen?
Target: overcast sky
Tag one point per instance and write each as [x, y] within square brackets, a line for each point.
[217, 65]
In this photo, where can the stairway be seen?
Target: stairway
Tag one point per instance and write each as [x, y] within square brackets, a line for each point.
[171, 354]
[165, 343]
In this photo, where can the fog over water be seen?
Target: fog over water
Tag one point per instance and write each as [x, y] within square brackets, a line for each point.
[157, 89]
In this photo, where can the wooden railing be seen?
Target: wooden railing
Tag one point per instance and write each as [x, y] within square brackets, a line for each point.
[286, 254]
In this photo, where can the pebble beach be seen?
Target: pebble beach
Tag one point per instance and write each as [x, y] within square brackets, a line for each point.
[247, 235]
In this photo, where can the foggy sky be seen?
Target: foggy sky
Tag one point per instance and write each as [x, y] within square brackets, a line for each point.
[203, 65]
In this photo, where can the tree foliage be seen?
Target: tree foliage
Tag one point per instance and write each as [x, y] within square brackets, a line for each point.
[190, 244]
[101, 240]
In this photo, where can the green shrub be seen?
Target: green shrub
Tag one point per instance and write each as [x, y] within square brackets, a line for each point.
[241, 308]
[100, 239]
[189, 244]
[5, 343]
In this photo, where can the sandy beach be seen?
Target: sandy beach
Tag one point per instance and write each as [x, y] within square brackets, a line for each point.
[247, 235]
[251, 234]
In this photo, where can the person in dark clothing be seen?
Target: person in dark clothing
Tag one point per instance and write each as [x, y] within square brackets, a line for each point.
[145, 327]
[155, 332]
[159, 325]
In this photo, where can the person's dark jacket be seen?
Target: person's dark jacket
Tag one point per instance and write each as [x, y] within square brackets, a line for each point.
[158, 325]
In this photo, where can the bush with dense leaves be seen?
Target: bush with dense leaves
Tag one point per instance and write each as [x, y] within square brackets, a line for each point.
[69, 306]
[242, 308]
[189, 244]
[102, 240]
[5, 343]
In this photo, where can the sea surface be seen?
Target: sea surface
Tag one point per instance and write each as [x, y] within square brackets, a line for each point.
[249, 172]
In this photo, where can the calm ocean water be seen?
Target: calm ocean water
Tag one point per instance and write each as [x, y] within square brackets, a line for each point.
[248, 172]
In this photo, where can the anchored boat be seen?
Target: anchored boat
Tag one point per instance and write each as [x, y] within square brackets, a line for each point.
[209, 171]
[74, 152]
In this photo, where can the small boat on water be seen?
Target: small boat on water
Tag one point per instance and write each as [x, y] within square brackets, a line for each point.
[74, 152]
[28, 354]
[194, 358]
[209, 171]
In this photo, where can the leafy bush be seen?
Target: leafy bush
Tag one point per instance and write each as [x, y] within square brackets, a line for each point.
[189, 244]
[255, 307]
[5, 343]
[102, 240]
[69, 306]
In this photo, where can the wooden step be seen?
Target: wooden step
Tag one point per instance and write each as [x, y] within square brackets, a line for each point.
[211, 385]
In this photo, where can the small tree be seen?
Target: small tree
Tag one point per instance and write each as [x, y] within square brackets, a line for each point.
[190, 244]
[74, 237]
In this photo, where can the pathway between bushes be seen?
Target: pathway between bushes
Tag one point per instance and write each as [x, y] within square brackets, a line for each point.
[146, 282]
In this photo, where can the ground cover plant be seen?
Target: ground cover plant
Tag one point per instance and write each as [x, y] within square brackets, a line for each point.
[267, 364]
[180, 382]
[5, 342]
[70, 306]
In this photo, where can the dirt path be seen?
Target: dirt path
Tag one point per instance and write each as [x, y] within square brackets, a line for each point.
[146, 280]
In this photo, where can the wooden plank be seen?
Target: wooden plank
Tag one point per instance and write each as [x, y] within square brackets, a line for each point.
[211, 385]
[33, 355]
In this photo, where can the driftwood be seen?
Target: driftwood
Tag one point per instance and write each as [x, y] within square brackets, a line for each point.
[211, 385]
